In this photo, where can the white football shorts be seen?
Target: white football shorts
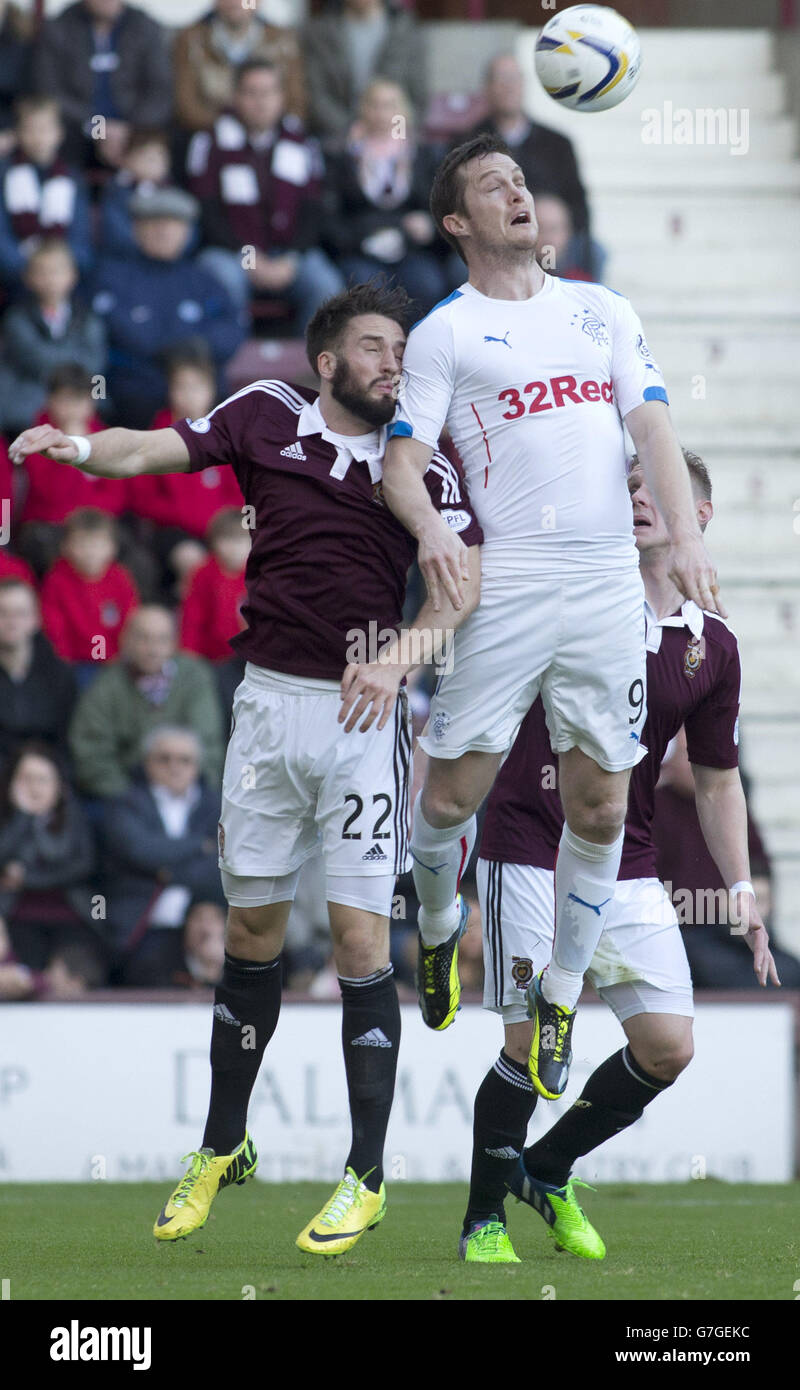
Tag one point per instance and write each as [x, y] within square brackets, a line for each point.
[295, 783]
[640, 964]
[579, 640]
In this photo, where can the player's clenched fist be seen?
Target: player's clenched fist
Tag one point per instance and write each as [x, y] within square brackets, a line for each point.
[442, 558]
[692, 570]
[44, 439]
[373, 685]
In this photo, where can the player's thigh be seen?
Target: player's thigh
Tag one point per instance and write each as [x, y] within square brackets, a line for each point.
[360, 925]
[362, 809]
[454, 788]
[594, 692]
[594, 800]
[498, 658]
[516, 904]
[267, 825]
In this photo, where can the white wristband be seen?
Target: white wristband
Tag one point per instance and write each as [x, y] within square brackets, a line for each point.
[84, 447]
[743, 886]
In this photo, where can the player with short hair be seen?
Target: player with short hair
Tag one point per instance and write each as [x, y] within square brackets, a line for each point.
[328, 566]
[534, 377]
[640, 968]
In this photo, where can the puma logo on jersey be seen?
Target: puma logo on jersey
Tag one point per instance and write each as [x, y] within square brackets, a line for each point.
[293, 451]
[487, 338]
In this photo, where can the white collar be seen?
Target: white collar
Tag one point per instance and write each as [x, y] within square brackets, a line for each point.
[311, 421]
[690, 616]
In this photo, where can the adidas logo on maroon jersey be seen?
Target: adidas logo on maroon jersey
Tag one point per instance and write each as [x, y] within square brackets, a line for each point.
[293, 451]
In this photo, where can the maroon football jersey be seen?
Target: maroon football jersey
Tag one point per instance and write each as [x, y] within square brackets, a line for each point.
[693, 678]
[328, 557]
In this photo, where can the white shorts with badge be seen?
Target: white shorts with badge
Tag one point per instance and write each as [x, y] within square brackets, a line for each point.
[579, 640]
[639, 967]
[295, 783]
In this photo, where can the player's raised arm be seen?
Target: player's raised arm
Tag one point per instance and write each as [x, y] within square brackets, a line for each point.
[115, 453]
[441, 554]
[659, 451]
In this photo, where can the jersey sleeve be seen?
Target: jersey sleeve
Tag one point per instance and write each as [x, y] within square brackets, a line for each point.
[428, 381]
[448, 493]
[635, 376]
[219, 437]
[712, 730]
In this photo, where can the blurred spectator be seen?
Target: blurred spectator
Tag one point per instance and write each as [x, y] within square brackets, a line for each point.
[158, 301]
[145, 164]
[48, 328]
[555, 244]
[203, 945]
[15, 66]
[208, 54]
[54, 491]
[180, 506]
[161, 852]
[104, 59]
[378, 191]
[37, 690]
[349, 45]
[150, 684]
[212, 609]
[718, 958]
[72, 971]
[47, 855]
[87, 595]
[259, 181]
[545, 157]
[40, 195]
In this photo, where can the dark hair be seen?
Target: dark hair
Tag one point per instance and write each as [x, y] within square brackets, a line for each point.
[698, 472]
[90, 521]
[228, 521]
[197, 358]
[257, 65]
[80, 959]
[377, 296]
[447, 189]
[16, 581]
[72, 377]
[34, 748]
[143, 135]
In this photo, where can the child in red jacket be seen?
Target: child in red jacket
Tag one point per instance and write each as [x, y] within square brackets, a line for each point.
[87, 595]
[212, 610]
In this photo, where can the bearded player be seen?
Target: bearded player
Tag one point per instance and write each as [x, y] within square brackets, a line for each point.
[534, 378]
[315, 759]
[640, 968]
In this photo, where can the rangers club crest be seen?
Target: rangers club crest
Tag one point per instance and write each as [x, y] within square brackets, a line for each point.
[593, 326]
[521, 971]
[693, 656]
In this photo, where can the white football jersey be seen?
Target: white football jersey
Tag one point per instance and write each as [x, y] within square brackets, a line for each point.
[534, 393]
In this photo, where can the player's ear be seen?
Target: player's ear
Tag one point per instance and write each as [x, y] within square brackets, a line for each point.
[455, 224]
[705, 511]
[326, 364]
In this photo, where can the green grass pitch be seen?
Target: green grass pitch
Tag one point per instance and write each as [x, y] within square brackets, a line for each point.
[700, 1240]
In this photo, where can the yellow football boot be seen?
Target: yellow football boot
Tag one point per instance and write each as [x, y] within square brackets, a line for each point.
[188, 1207]
[351, 1211]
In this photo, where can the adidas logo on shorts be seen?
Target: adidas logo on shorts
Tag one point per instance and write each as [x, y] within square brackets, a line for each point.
[294, 451]
[375, 1037]
[374, 855]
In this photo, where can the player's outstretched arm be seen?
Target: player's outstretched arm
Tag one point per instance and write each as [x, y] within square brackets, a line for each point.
[659, 453]
[441, 554]
[371, 689]
[722, 812]
[115, 453]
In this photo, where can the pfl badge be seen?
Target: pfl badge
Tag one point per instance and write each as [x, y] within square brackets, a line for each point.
[694, 656]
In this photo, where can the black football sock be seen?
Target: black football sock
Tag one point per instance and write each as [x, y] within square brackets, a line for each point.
[612, 1099]
[370, 1041]
[503, 1108]
[247, 1002]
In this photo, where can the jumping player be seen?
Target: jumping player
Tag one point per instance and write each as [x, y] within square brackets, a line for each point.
[534, 377]
[640, 967]
[328, 561]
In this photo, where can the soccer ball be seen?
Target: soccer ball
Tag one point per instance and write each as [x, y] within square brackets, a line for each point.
[588, 58]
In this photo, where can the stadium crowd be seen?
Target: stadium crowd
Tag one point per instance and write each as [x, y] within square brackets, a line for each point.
[164, 198]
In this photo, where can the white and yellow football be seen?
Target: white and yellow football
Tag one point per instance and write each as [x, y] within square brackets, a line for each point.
[588, 58]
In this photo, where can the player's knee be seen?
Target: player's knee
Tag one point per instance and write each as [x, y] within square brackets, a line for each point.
[598, 819]
[668, 1059]
[443, 807]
